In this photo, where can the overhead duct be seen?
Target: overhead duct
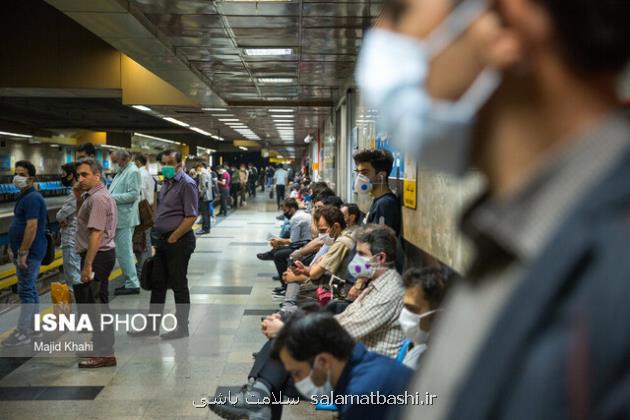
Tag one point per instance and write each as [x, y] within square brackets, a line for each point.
[123, 26]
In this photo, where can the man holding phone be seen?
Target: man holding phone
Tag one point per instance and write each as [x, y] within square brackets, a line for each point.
[96, 228]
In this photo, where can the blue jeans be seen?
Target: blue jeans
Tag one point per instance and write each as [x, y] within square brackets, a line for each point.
[27, 290]
[71, 266]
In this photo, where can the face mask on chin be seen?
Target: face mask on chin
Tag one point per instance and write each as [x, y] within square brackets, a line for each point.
[308, 389]
[391, 73]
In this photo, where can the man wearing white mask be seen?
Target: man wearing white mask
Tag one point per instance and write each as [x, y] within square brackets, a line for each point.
[373, 168]
[424, 292]
[327, 366]
[28, 243]
[534, 106]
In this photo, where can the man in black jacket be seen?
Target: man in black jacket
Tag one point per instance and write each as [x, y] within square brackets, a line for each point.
[541, 327]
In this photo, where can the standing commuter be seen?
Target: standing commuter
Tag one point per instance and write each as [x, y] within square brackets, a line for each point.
[147, 192]
[66, 217]
[125, 190]
[27, 241]
[177, 212]
[280, 181]
[95, 243]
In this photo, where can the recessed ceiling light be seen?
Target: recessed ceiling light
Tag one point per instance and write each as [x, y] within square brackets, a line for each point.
[282, 116]
[141, 108]
[228, 119]
[259, 52]
[282, 110]
[277, 80]
[178, 122]
[214, 109]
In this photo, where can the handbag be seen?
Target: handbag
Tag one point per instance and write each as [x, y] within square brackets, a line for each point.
[147, 273]
[49, 257]
[147, 215]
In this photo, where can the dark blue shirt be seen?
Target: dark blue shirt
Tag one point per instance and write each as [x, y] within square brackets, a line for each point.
[385, 210]
[30, 205]
[368, 373]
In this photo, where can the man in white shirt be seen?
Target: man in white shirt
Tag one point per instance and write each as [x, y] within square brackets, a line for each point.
[280, 181]
[147, 192]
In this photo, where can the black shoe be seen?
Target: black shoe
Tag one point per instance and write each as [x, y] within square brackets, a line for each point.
[127, 291]
[248, 403]
[147, 332]
[279, 294]
[202, 232]
[276, 278]
[176, 333]
[280, 217]
[265, 256]
[279, 289]
[255, 354]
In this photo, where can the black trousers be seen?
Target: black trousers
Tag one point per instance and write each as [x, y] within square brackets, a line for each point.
[272, 373]
[280, 194]
[235, 191]
[281, 259]
[93, 299]
[204, 209]
[225, 199]
[170, 271]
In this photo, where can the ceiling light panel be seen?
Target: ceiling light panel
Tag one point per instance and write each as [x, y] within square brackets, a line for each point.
[261, 52]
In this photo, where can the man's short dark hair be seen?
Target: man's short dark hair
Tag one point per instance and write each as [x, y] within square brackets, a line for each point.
[70, 169]
[170, 152]
[380, 238]
[291, 203]
[30, 168]
[353, 209]
[87, 148]
[381, 160]
[434, 282]
[332, 215]
[141, 158]
[95, 165]
[593, 35]
[319, 187]
[332, 200]
[326, 192]
[305, 335]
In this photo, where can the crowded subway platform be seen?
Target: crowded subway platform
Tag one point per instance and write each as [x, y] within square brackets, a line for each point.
[287, 209]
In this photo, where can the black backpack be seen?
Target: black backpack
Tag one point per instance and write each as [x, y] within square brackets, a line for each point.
[49, 256]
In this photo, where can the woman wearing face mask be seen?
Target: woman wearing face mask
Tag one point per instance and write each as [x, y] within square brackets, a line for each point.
[424, 292]
[66, 217]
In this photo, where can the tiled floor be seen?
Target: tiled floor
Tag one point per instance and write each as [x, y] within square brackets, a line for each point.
[230, 291]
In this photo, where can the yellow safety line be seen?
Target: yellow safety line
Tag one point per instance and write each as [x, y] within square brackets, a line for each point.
[11, 271]
[114, 275]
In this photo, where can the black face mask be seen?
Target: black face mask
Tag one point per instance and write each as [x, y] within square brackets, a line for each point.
[288, 214]
[66, 181]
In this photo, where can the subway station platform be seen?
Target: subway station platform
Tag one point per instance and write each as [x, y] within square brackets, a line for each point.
[230, 290]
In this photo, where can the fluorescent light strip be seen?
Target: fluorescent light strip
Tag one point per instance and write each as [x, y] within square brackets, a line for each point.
[282, 110]
[178, 122]
[7, 133]
[282, 116]
[222, 115]
[214, 109]
[200, 131]
[275, 80]
[258, 52]
[156, 138]
[141, 108]
[228, 119]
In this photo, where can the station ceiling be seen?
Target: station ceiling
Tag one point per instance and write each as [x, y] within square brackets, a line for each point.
[252, 58]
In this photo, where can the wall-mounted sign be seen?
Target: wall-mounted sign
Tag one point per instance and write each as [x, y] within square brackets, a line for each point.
[410, 184]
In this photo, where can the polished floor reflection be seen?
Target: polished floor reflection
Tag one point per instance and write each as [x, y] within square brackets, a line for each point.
[230, 291]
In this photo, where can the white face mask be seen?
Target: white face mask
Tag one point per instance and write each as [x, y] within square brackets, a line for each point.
[391, 73]
[361, 266]
[362, 184]
[308, 389]
[328, 240]
[410, 325]
[20, 181]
